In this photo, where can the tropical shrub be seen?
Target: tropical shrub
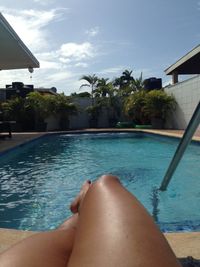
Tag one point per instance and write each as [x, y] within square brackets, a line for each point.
[39, 106]
[158, 104]
[82, 94]
[64, 108]
[16, 110]
[153, 106]
[134, 106]
[30, 112]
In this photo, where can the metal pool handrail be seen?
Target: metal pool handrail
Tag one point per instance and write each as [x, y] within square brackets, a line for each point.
[185, 140]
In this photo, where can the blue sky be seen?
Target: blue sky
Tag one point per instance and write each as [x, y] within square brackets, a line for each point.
[72, 38]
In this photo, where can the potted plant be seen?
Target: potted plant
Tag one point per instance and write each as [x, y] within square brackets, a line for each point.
[158, 105]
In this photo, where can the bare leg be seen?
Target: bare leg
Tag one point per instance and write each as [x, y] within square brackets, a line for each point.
[114, 229]
[43, 249]
[51, 249]
[75, 205]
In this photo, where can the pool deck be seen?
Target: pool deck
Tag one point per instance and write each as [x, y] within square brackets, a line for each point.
[183, 244]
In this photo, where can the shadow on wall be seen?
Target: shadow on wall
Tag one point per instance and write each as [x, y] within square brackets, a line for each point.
[176, 120]
[189, 262]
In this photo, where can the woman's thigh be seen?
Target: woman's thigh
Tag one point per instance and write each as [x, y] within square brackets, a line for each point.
[115, 230]
[51, 248]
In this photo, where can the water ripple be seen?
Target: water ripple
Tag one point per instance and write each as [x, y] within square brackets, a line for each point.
[38, 181]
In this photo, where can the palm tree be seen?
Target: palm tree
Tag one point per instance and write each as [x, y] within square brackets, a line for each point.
[138, 83]
[107, 98]
[118, 82]
[123, 83]
[92, 83]
[127, 77]
[102, 88]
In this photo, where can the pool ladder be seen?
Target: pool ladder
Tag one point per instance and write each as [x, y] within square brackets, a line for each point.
[185, 140]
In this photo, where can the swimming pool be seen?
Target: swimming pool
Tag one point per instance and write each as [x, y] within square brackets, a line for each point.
[39, 180]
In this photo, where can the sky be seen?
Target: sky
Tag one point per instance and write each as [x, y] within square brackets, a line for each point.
[72, 38]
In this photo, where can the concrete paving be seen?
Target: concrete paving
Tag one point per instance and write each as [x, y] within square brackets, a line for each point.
[17, 139]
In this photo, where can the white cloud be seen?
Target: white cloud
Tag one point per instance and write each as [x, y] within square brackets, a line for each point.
[112, 70]
[44, 2]
[31, 25]
[77, 51]
[64, 60]
[50, 65]
[69, 54]
[56, 77]
[92, 32]
[53, 55]
[56, 63]
[9, 76]
[81, 64]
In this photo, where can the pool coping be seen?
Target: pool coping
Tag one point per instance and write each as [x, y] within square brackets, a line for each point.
[32, 136]
[184, 244]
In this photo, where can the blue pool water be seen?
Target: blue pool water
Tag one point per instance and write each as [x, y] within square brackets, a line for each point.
[39, 180]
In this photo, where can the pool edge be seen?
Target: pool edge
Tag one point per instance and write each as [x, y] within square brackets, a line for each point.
[30, 137]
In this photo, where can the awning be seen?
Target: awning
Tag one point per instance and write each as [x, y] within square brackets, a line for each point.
[188, 64]
[13, 52]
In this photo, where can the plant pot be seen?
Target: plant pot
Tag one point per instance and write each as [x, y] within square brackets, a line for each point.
[157, 123]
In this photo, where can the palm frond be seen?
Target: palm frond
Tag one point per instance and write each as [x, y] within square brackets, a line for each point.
[82, 85]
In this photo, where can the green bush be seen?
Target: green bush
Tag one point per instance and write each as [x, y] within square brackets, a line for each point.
[30, 112]
[144, 106]
[158, 104]
[134, 107]
[16, 109]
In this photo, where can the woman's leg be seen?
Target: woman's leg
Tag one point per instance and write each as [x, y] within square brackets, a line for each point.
[43, 249]
[114, 229]
[51, 249]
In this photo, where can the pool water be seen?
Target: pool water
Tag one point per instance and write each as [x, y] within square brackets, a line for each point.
[39, 180]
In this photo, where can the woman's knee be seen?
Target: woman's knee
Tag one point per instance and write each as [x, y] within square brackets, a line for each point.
[107, 179]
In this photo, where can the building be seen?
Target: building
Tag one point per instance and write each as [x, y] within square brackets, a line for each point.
[13, 52]
[18, 89]
[187, 92]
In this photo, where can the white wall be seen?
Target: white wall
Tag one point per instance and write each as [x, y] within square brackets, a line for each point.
[52, 123]
[81, 120]
[187, 95]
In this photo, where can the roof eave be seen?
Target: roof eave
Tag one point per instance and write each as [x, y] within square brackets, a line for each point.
[174, 67]
[34, 62]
